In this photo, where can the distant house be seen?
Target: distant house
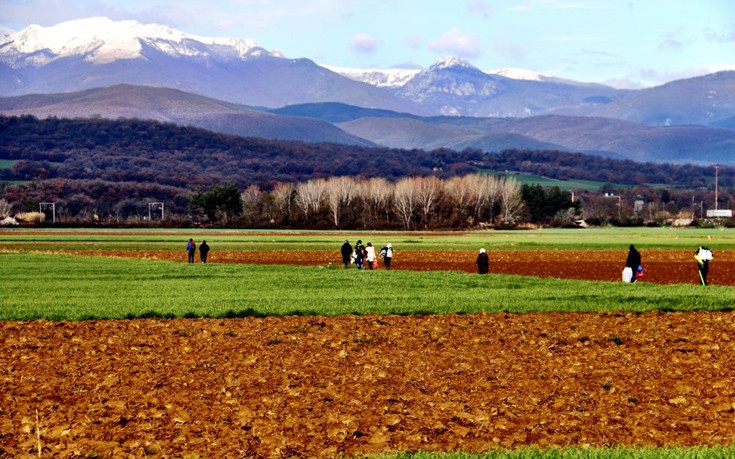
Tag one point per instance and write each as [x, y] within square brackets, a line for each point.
[638, 204]
[719, 213]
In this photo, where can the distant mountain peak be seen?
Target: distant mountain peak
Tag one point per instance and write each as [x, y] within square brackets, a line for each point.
[451, 61]
[101, 40]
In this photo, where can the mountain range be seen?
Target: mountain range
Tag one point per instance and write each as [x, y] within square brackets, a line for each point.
[99, 67]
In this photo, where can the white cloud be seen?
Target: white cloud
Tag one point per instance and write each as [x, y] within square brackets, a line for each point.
[457, 43]
[364, 43]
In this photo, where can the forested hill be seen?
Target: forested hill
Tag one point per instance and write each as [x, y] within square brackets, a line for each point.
[144, 153]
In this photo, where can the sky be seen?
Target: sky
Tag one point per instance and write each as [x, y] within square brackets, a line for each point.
[626, 44]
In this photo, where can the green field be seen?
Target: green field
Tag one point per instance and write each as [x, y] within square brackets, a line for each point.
[546, 239]
[67, 287]
[6, 163]
[567, 185]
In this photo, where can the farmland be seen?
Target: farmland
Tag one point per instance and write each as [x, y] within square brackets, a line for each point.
[274, 350]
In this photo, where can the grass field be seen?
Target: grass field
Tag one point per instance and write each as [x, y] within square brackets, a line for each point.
[568, 185]
[6, 163]
[545, 239]
[65, 287]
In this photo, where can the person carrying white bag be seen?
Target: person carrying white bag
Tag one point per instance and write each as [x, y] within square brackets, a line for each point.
[633, 267]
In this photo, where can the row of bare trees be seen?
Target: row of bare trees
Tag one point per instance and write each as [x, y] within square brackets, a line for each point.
[410, 203]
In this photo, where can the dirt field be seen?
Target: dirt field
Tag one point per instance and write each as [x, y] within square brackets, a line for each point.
[349, 386]
[314, 387]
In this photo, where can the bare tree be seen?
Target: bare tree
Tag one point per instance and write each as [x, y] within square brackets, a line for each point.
[252, 202]
[339, 191]
[405, 200]
[485, 188]
[377, 195]
[461, 195]
[428, 190]
[511, 200]
[310, 194]
[5, 208]
[283, 194]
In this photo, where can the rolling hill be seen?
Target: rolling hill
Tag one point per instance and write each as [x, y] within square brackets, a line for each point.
[171, 105]
[592, 135]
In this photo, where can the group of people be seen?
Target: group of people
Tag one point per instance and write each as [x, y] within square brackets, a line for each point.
[634, 270]
[361, 255]
[365, 254]
[191, 249]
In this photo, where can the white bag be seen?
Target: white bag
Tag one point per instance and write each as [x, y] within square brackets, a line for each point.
[627, 274]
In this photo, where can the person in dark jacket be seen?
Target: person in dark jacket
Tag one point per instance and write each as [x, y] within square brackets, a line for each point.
[633, 262]
[191, 249]
[360, 254]
[483, 262]
[346, 253]
[203, 251]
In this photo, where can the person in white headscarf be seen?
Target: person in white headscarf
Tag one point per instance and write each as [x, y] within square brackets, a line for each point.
[703, 255]
[387, 254]
[483, 262]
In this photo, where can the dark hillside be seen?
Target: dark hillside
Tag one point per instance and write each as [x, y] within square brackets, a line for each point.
[97, 160]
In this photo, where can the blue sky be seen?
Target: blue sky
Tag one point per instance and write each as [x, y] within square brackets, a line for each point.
[618, 42]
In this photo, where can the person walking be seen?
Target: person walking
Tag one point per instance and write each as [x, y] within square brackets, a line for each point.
[370, 256]
[360, 254]
[203, 251]
[346, 253]
[483, 262]
[703, 255]
[191, 249]
[387, 254]
[633, 262]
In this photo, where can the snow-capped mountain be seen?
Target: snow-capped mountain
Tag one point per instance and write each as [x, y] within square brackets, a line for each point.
[519, 74]
[395, 78]
[446, 83]
[102, 41]
[381, 78]
[97, 52]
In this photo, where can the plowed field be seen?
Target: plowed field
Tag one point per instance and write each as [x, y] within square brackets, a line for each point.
[314, 387]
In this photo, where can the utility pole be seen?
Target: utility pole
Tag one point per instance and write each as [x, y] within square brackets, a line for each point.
[48, 205]
[154, 206]
[717, 173]
[692, 207]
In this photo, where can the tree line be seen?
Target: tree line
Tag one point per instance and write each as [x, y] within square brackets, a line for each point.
[348, 202]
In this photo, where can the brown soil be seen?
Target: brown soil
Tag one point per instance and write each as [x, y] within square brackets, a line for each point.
[316, 387]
